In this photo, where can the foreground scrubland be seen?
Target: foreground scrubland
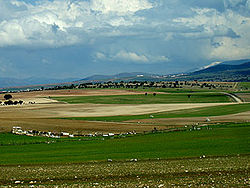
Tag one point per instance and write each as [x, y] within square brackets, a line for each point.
[226, 171]
[213, 156]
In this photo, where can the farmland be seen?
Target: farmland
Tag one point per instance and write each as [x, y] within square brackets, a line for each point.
[176, 154]
[198, 112]
[172, 136]
[150, 99]
[222, 140]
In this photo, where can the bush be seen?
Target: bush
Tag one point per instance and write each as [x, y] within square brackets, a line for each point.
[7, 96]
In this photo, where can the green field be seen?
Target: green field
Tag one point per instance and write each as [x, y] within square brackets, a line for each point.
[220, 140]
[177, 90]
[197, 112]
[244, 85]
[149, 99]
[7, 139]
[11, 139]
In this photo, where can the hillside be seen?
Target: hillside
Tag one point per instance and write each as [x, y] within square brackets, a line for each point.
[15, 82]
[121, 77]
[223, 72]
[236, 70]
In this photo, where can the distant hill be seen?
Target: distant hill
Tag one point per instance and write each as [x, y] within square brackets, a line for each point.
[120, 77]
[226, 71]
[224, 68]
[236, 62]
[14, 82]
[236, 70]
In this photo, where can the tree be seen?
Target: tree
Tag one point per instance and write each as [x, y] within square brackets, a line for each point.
[9, 102]
[7, 96]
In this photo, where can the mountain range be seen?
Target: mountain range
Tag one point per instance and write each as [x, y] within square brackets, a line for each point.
[236, 70]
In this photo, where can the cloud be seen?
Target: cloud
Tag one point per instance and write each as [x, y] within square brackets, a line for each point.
[136, 33]
[61, 23]
[127, 56]
[121, 7]
[227, 31]
[130, 56]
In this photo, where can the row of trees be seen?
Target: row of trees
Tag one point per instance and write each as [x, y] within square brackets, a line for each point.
[10, 102]
[138, 84]
[7, 97]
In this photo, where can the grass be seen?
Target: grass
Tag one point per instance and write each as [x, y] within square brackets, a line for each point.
[150, 99]
[244, 85]
[180, 90]
[186, 89]
[197, 112]
[218, 141]
[8, 139]
[11, 139]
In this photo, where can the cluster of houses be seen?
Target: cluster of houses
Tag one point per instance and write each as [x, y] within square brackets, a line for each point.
[18, 131]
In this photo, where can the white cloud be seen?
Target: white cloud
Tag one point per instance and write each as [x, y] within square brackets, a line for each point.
[100, 56]
[62, 23]
[228, 31]
[231, 49]
[122, 7]
[128, 56]
[11, 33]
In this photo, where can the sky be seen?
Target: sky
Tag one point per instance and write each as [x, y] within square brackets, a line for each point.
[79, 38]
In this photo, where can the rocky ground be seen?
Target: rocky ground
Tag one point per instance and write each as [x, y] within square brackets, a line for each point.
[227, 171]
